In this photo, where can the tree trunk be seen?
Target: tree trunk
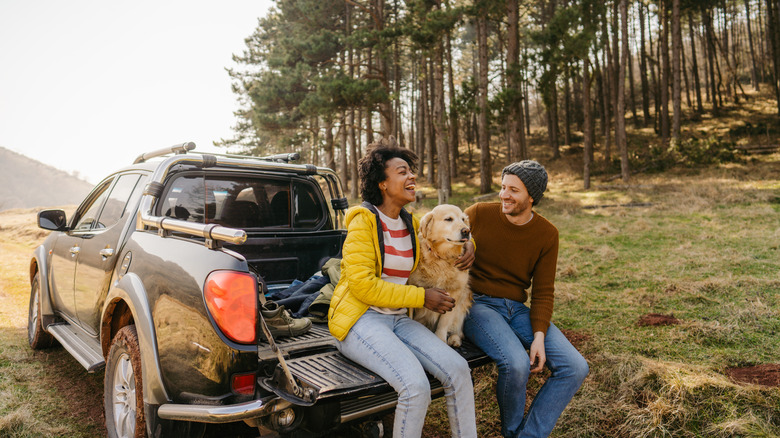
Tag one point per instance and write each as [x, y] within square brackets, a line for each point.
[695, 65]
[643, 65]
[676, 86]
[705, 47]
[663, 22]
[397, 110]
[454, 131]
[631, 93]
[517, 147]
[620, 113]
[684, 69]
[567, 109]
[343, 169]
[485, 173]
[413, 107]
[385, 107]
[711, 59]
[655, 77]
[422, 98]
[614, 68]
[330, 159]
[442, 152]
[762, 72]
[526, 107]
[753, 66]
[353, 157]
[588, 134]
[430, 145]
[553, 123]
[606, 116]
[422, 125]
[773, 44]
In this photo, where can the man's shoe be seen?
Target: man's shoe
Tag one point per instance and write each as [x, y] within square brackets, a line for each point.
[280, 323]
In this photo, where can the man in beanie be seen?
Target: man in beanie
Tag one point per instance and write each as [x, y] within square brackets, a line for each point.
[518, 250]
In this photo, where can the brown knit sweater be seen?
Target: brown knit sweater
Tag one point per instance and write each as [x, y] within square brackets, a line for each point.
[509, 256]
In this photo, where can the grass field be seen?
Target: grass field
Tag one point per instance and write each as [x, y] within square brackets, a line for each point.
[702, 251]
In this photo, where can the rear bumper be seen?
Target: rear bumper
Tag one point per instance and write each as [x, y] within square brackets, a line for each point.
[223, 414]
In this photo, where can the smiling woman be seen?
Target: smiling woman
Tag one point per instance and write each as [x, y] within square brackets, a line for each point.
[369, 310]
[128, 72]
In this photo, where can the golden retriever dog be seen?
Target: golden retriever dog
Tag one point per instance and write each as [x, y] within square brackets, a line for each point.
[443, 232]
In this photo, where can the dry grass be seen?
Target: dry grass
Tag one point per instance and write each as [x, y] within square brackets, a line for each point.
[707, 251]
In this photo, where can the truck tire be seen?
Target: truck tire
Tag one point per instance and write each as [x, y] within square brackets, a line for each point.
[37, 337]
[123, 390]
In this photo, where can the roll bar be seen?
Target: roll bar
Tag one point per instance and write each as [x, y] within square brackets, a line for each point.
[214, 233]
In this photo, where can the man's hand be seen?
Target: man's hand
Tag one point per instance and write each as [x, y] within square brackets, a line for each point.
[438, 300]
[466, 259]
[537, 356]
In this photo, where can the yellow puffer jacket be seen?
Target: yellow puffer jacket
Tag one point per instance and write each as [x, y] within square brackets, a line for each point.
[361, 283]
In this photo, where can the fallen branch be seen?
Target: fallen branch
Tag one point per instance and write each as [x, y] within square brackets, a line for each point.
[629, 205]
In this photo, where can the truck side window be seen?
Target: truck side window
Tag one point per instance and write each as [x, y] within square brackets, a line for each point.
[117, 200]
[87, 214]
[185, 200]
[236, 201]
[308, 210]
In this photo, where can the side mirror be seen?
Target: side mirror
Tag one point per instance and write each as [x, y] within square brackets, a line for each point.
[54, 220]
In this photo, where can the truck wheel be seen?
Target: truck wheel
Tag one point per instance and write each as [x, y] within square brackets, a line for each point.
[37, 337]
[123, 391]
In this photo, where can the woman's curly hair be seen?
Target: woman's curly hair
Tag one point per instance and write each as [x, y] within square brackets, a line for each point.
[371, 168]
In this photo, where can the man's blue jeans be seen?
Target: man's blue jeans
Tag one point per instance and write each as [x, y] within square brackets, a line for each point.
[400, 350]
[502, 329]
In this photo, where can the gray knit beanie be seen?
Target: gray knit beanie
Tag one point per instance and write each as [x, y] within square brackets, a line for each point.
[532, 174]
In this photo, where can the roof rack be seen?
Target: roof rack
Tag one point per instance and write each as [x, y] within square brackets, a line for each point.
[183, 148]
[175, 149]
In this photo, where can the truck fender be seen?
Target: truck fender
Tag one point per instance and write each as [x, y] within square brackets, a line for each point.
[131, 291]
[39, 263]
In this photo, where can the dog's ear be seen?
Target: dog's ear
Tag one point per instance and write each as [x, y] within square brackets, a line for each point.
[425, 224]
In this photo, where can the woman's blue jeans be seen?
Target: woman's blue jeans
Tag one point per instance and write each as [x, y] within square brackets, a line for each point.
[502, 329]
[401, 350]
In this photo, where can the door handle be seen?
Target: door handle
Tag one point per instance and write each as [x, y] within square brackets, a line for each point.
[74, 250]
[107, 252]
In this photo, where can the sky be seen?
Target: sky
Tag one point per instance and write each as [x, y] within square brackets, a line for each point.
[88, 85]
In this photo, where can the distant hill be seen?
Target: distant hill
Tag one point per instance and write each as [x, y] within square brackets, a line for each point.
[26, 183]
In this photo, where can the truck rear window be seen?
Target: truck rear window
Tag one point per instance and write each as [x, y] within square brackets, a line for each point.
[241, 202]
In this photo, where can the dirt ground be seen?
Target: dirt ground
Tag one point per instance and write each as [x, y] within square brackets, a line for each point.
[765, 375]
[656, 319]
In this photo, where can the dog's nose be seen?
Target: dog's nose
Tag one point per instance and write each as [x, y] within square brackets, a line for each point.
[465, 232]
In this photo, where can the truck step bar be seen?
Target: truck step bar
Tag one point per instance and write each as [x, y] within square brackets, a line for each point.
[374, 404]
[86, 350]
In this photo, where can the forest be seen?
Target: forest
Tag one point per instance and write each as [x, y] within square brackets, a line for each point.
[448, 78]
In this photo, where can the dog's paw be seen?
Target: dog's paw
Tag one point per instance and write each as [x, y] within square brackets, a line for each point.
[454, 341]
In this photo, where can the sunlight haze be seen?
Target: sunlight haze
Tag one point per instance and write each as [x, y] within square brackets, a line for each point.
[87, 86]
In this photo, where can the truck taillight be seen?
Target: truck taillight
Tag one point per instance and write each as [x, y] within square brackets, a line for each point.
[232, 300]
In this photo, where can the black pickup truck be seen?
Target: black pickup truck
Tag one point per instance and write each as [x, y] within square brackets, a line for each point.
[159, 277]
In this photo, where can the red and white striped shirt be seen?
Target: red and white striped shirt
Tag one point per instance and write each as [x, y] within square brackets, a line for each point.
[399, 256]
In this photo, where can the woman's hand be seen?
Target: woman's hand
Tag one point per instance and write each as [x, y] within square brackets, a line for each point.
[466, 259]
[438, 300]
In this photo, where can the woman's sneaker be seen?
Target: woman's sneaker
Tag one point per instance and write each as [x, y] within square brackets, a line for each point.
[280, 323]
